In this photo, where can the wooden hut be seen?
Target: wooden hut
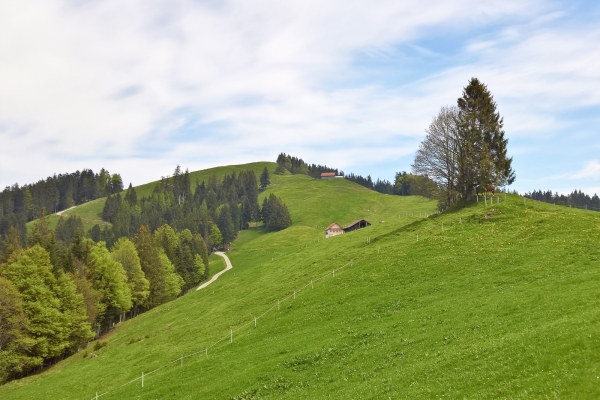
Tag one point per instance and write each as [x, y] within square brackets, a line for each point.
[333, 230]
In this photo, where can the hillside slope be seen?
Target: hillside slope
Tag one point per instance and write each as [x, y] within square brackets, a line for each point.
[502, 302]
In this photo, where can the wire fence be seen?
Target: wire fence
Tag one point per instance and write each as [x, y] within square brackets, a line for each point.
[292, 296]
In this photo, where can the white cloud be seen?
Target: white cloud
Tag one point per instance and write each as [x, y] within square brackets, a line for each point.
[112, 83]
[591, 170]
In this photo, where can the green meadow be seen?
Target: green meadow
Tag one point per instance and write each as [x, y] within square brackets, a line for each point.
[486, 301]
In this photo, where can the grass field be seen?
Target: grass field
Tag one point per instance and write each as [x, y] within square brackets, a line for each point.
[502, 302]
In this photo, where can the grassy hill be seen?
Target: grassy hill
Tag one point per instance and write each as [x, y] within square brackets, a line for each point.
[502, 302]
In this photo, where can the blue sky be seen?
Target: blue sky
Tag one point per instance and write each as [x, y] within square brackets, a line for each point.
[138, 87]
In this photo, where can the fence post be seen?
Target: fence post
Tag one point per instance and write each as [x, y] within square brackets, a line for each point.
[207, 352]
[182, 361]
[350, 262]
[277, 304]
[333, 274]
[311, 284]
[231, 336]
[254, 322]
[142, 378]
[294, 295]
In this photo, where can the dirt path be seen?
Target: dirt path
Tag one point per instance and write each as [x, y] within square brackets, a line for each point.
[60, 212]
[214, 278]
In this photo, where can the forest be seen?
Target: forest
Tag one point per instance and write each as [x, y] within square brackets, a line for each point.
[574, 199]
[61, 288]
[21, 204]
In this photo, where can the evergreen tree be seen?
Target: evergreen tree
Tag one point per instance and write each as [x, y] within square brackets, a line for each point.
[225, 224]
[95, 233]
[67, 228]
[151, 265]
[11, 244]
[276, 214]
[131, 196]
[264, 179]
[482, 155]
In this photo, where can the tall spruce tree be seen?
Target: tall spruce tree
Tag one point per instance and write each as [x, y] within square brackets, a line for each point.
[264, 179]
[483, 156]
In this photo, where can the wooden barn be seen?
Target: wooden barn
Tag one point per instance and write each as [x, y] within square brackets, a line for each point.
[333, 230]
[327, 175]
[361, 223]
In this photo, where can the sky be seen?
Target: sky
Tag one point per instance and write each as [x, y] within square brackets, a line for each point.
[138, 87]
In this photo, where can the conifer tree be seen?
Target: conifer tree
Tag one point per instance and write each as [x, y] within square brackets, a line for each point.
[264, 179]
[483, 156]
[225, 224]
[11, 244]
[154, 268]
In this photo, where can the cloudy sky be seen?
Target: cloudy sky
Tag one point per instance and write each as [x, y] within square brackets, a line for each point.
[137, 87]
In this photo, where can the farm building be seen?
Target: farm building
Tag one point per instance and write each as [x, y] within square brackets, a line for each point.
[333, 230]
[327, 175]
[361, 223]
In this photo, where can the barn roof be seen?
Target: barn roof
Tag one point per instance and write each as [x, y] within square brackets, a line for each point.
[327, 173]
[351, 224]
[332, 226]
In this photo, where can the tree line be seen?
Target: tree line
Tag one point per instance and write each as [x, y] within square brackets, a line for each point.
[575, 199]
[295, 165]
[20, 204]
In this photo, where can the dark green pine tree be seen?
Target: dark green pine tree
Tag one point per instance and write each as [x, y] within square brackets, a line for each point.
[131, 196]
[264, 179]
[277, 215]
[482, 151]
[225, 224]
